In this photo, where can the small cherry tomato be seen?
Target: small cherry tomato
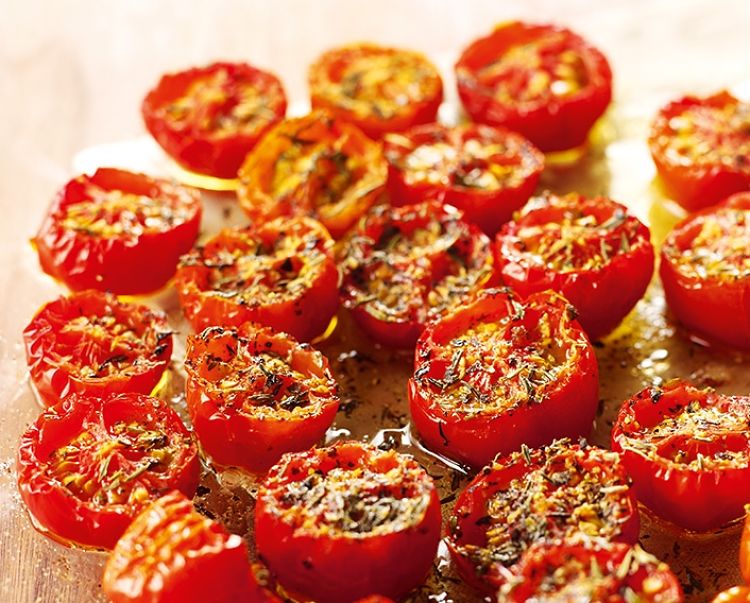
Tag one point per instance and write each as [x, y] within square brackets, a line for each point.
[337, 524]
[736, 594]
[117, 231]
[209, 118]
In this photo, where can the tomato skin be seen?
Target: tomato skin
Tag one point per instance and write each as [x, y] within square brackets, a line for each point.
[552, 124]
[47, 345]
[62, 513]
[243, 438]
[736, 594]
[696, 498]
[334, 565]
[603, 294]
[198, 146]
[125, 263]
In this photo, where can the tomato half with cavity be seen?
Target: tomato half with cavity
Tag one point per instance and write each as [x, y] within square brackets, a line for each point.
[254, 394]
[705, 272]
[209, 118]
[543, 81]
[405, 266]
[688, 452]
[117, 231]
[379, 89]
[486, 172]
[339, 523]
[537, 495]
[736, 594]
[91, 342]
[592, 251]
[701, 148]
[313, 166]
[497, 373]
[88, 465]
[281, 275]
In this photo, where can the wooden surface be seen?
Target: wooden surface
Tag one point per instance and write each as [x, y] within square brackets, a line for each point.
[72, 75]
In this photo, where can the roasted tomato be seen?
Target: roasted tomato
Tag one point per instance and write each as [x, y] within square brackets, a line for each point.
[281, 275]
[736, 594]
[534, 496]
[117, 231]
[701, 148]
[313, 166]
[90, 342]
[404, 267]
[337, 524]
[486, 172]
[254, 394]
[497, 373]
[590, 570]
[705, 271]
[688, 453]
[543, 81]
[208, 118]
[376, 88]
[589, 250]
[88, 465]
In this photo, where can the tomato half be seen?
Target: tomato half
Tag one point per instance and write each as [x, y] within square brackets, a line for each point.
[688, 452]
[254, 394]
[209, 118]
[117, 231]
[543, 81]
[486, 172]
[705, 271]
[406, 266]
[701, 148]
[339, 523]
[497, 373]
[281, 275]
[592, 251]
[736, 594]
[313, 166]
[534, 496]
[378, 89]
[87, 466]
[90, 342]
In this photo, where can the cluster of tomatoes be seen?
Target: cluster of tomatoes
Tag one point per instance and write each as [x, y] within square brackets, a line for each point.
[427, 236]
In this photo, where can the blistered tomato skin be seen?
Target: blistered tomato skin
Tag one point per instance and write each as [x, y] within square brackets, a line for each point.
[117, 231]
[337, 524]
[90, 342]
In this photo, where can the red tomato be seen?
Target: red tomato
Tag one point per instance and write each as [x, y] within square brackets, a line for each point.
[337, 524]
[736, 594]
[208, 118]
[705, 271]
[378, 89]
[254, 394]
[88, 465]
[701, 148]
[496, 373]
[117, 231]
[590, 570]
[90, 342]
[486, 172]
[543, 81]
[534, 496]
[281, 275]
[313, 166]
[589, 250]
[406, 266]
[687, 451]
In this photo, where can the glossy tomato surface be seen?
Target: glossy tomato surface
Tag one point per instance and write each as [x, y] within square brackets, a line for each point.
[117, 231]
[591, 251]
[736, 594]
[339, 523]
[209, 118]
[543, 81]
[87, 466]
[486, 172]
[91, 342]
[281, 275]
